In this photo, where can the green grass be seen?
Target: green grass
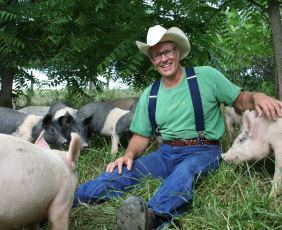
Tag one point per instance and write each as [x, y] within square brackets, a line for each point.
[235, 197]
[49, 96]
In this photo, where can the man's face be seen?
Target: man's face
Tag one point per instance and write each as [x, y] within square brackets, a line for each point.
[165, 57]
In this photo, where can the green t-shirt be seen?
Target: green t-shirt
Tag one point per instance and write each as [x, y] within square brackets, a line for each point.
[174, 110]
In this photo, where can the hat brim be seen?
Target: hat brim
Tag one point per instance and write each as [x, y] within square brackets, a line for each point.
[173, 34]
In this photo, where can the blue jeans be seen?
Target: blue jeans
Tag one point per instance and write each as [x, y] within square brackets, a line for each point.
[179, 167]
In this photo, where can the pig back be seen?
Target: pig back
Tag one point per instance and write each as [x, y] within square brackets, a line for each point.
[35, 110]
[99, 112]
[30, 179]
[10, 120]
[125, 103]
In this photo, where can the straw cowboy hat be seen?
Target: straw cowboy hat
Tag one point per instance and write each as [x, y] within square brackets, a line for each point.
[158, 34]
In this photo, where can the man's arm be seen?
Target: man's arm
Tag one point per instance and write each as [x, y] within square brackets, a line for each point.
[136, 147]
[263, 104]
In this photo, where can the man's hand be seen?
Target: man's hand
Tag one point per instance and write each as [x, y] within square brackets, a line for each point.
[268, 106]
[136, 147]
[119, 162]
[262, 103]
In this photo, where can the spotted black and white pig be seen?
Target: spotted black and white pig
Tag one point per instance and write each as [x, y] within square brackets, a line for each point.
[35, 110]
[105, 119]
[125, 103]
[258, 138]
[28, 126]
[59, 109]
[66, 119]
[36, 183]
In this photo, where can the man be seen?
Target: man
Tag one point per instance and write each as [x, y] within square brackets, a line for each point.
[187, 152]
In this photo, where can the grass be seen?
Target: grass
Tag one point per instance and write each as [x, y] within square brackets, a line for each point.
[234, 197]
[49, 96]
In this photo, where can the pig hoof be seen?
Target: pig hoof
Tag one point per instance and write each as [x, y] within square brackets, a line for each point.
[274, 193]
[114, 152]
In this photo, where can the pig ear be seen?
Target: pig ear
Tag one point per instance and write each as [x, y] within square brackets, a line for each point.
[47, 120]
[74, 149]
[41, 141]
[87, 121]
[249, 121]
[66, 119]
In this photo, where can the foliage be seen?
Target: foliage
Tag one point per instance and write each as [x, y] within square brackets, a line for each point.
[242, 53]
[91, 41]
[49, 96]
[74, 43]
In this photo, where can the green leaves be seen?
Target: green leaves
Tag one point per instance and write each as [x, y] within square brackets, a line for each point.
[100, 5]
[79, 41]
[6, 16]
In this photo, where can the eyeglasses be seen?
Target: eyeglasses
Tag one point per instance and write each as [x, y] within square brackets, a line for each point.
[168, 53]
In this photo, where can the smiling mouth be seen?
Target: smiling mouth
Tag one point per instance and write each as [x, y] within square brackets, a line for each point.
[166, 66]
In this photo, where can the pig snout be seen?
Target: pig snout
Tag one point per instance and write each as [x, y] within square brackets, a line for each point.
[229, 157]
[63, 142]
[84, 147]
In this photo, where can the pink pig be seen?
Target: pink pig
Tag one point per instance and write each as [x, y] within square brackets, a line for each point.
[36, 182]
[258, 138]
[231, 119]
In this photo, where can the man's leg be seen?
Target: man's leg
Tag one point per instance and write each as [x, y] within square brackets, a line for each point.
[185, 165]
[176, 190]
[109, 185]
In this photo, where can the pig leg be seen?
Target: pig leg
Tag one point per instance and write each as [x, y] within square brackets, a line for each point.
[115, 142]
[229, 125]
[60, 222]
[277, 179]
[58, 213]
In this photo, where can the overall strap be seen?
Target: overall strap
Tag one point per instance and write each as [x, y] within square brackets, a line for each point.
[153, 104]
[196, 100]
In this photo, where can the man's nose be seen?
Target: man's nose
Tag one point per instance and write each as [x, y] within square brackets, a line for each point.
[163, 57]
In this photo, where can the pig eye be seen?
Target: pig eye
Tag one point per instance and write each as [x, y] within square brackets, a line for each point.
[51, 131]
[242, 140]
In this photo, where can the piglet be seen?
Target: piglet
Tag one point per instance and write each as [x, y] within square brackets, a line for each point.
[105, 119]
[65, 118]
[231, 119]
[258, 138]
[36, 182]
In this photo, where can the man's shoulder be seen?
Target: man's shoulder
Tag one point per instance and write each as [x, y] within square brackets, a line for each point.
[207, 72]
[146, 91]
[204, 68]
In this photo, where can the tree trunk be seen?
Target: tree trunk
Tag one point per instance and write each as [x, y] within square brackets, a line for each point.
[6, 76]
[276, 27]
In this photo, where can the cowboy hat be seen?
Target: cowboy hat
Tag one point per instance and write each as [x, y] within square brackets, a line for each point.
[158, 34]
